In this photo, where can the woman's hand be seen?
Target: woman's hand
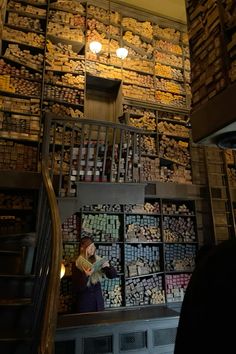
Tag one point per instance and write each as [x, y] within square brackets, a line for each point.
[106, 264]
[88, 271]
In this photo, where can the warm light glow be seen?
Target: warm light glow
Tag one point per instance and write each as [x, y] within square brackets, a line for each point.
[63, 270]
[122, 53]
[95, 47]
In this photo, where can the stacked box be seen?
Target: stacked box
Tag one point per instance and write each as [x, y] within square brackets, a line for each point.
[112, 253]
[145, 291]
[180, 257]
[208, 49]
[141, 260]
[176, 285]
[112, 292]
[142, 228]
[178, 229]
[101, 227]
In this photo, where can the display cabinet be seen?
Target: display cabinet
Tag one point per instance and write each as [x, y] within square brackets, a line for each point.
[152, 246]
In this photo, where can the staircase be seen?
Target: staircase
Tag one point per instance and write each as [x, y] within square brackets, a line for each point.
[29, 269]
[16, 283]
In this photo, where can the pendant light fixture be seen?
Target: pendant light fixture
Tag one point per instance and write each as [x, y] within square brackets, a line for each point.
[122, 52]
[96, 46]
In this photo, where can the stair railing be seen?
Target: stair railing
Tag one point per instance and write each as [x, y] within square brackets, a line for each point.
[91, 151]
[47, 266]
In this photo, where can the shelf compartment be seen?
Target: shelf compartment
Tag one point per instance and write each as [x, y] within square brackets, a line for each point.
[101, 227]
[142, 259]
[24, 29]
[142, 52]
[178, 229]
[180, 257]
[63, 102]
[142, 228]
[40, 3]
[76, 45]
[28, 39]
[27, 14]
[112, 292]
[112, 253]
[13, 105]
[24, 62]
[173, 130]
[148, 290]
[176, 285]
[72, 7]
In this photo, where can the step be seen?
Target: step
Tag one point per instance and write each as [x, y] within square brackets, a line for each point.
[11, 261]
[20, 180]
[9, 252]
[15, 315]
[16, 286]
[14, 335]
[24, 243]
[24, 239]
[15, 302]
[21, 346]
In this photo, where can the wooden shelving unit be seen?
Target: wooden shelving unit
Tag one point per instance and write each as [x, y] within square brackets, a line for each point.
[213, 72]
[152, 246]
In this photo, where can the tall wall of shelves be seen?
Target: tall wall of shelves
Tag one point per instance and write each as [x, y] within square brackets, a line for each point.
[212, 41]
[64, 70]
[152, 246]
[213, 72]
[46, 64]
[21, 67]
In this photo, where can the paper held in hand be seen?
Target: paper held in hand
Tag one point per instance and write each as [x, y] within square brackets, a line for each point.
[84, 263]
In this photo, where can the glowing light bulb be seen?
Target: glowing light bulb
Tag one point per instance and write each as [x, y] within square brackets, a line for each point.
[122, 53]
[63, 270]
[95, 47]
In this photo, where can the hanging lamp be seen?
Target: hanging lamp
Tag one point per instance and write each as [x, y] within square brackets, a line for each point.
[95, 47]
[122, 53]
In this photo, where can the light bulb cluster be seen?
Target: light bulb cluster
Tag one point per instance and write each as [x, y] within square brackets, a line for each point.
[96, 47]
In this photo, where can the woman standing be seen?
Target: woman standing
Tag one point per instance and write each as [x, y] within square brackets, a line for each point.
[87, 273]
